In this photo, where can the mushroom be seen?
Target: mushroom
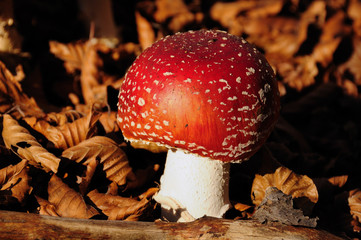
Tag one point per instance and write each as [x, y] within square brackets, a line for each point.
[212, 99]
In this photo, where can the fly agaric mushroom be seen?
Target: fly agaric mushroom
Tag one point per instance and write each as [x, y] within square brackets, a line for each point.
[212, 99]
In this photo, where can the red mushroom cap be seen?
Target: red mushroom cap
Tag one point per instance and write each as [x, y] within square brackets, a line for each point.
[206, 92]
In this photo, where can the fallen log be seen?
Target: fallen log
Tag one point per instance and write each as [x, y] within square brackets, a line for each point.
[16, 226]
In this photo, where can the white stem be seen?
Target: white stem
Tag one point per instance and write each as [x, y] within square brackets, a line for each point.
[198, 185]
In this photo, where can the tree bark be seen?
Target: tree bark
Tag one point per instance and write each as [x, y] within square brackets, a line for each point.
[16, 225]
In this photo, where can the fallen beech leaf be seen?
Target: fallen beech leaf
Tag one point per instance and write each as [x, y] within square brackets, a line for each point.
[226, 12]
[13, 97]
[70, 133]
[16, 180]
[117, 207]
[90, 76]
[353, 64]
[146, 35]
[109, 121]
[338, 181]
[89, 173]
[354, 202]
[333, 31]
[245, 210]
[353, 11]
[46, 208]
[22, 143]
[67, 202]
[299, 72]
[72, 54]
[63, 117]
[288, 182]
[149, 193]
[174, 12]
[107, 152]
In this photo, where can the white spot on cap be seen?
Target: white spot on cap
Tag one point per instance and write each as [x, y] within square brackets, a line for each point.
[168, 73]
[141, 102]
[250, 71]
[232, 98]
[166, 123]
[238, 79]
[188, 80]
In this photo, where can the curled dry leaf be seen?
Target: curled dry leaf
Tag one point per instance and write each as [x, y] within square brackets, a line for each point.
[72, 54]
[22, 143]
[338, 181]
[55, 118]
[353, 64]
[288, 182]
[107, 152]
[46, 208]
[85, 180]
[69, 133]
[354, 202]
[227, 12]
[109, 121]
[13, 97]
[117, 207]
[333, 32]
[65, 202]
[175, 12]
[16, 180]
[298, 72]
[146, 35]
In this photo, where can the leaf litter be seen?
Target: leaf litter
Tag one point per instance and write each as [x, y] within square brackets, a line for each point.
[73, 162]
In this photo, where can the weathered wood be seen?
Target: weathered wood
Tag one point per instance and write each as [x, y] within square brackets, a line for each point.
[15, 225]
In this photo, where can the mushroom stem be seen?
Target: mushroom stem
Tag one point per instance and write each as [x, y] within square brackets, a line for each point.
[195, 184]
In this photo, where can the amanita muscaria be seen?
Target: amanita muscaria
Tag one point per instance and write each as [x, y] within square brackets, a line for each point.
[212, 99]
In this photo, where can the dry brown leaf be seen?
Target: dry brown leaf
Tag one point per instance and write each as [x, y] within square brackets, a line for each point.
[66, 201]
[354, 202]
[226, 12]
[86, 179]
[333, 31]
[149, 193]
[338, 181]
[90, 76]
[174, 12]
[299, 72]
[109, 121]
[353, 64]
[107, 152]
[72, 54]
[70, 133]
[146, 34]
[12, 96]
[67, 115]
[16, 179]
[22, 143]
[353, 11]
[117, 207]
[46, 208]
[288, 182]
